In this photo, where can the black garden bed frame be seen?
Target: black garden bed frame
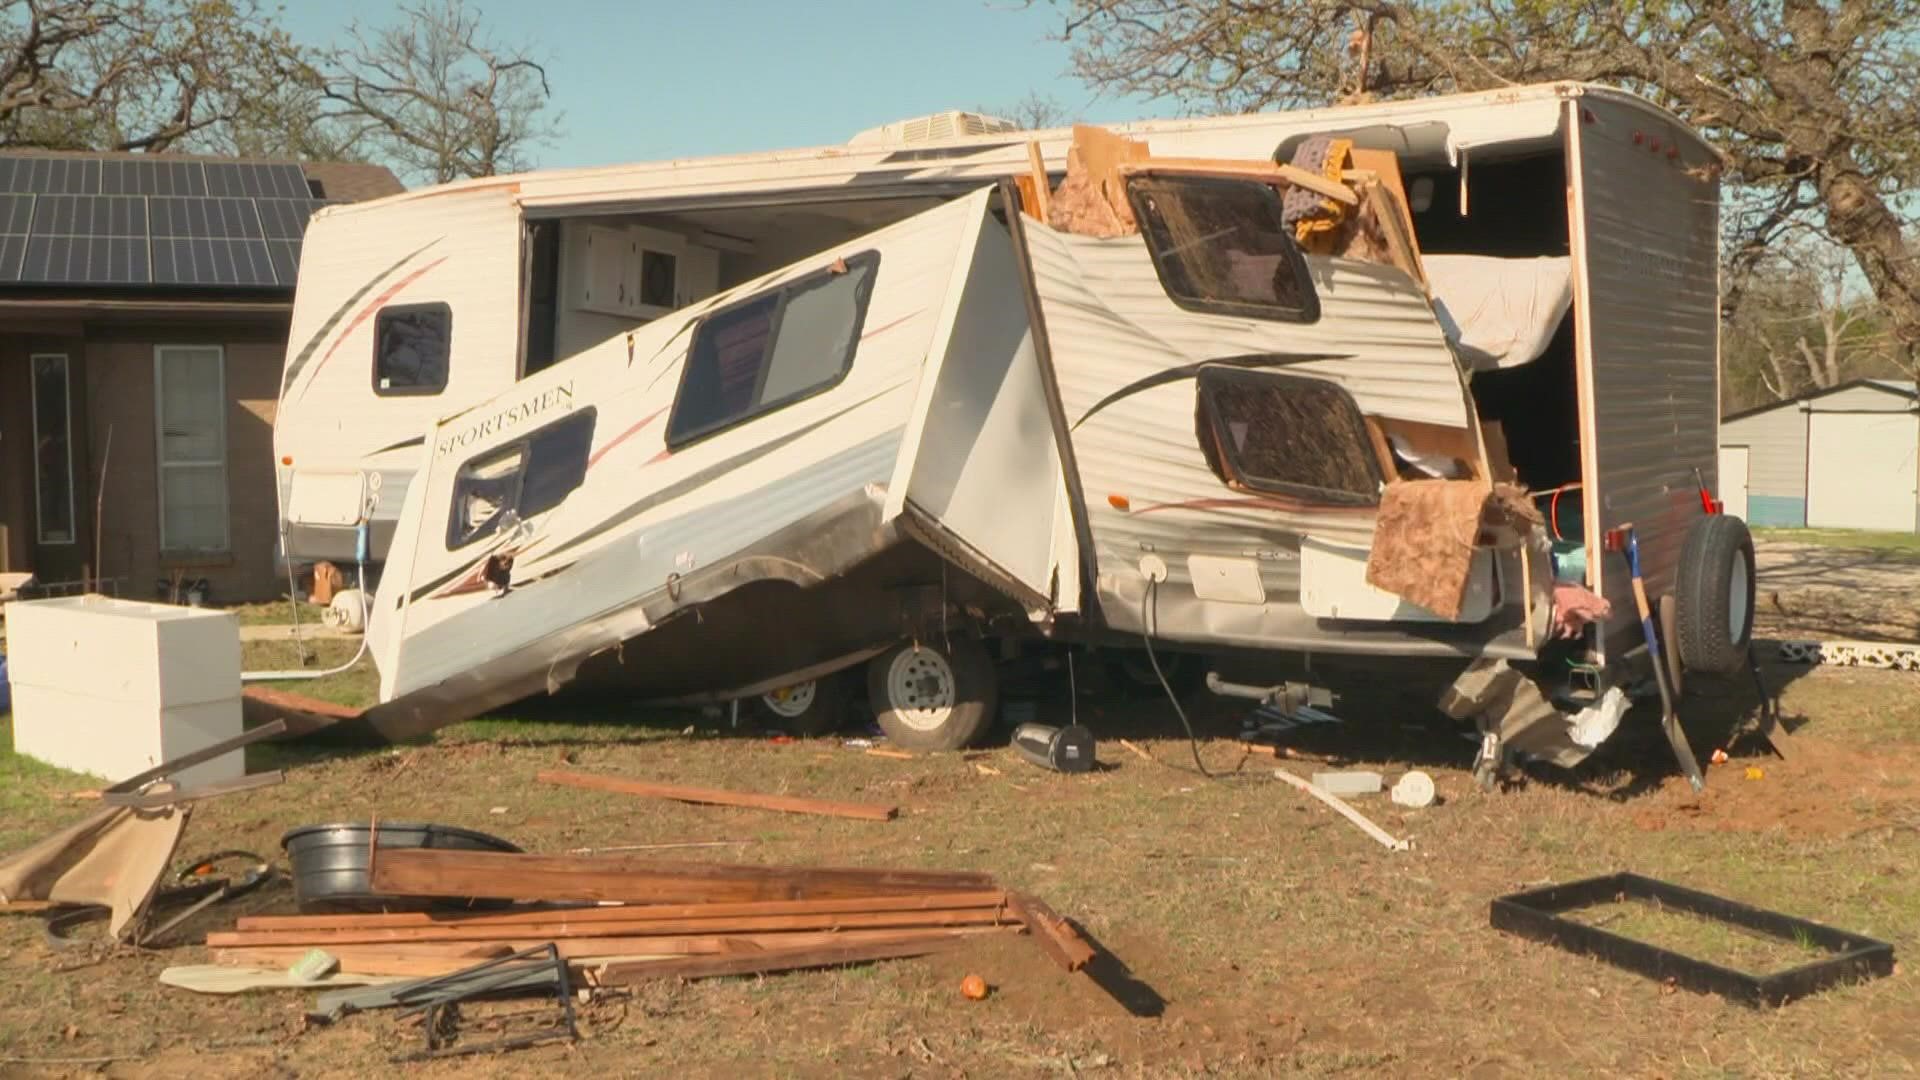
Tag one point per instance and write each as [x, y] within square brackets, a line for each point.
[1538, 915]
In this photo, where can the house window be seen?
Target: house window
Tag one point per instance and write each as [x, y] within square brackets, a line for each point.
[508, 485]
[53, 448]
[772, 349]
[1286, 435]
[1220, 246]
[411, 344]
[191, 414]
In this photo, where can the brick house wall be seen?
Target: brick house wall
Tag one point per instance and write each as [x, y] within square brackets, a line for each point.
[120, 382]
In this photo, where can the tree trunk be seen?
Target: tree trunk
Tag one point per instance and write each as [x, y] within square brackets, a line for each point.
[1859, 218]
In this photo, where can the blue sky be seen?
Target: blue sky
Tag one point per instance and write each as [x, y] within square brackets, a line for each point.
[652, 79]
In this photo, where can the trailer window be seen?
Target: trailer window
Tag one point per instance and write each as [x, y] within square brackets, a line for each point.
[1221, 247]
[772, 349]
[504, 486]
[1286, 434]
[411, 344]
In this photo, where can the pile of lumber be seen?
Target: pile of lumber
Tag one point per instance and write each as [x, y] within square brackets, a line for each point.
[621, 920]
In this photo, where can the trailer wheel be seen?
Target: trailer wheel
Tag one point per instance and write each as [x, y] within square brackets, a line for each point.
[930, 697]
[810, 708]
[1716, 590]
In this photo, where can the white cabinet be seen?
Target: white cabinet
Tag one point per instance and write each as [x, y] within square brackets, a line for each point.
[637, 272]
[115, 687]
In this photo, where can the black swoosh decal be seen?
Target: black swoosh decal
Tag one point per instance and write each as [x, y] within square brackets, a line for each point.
[674, 491]
[417, 440]
[1171, 375]
[333, 320]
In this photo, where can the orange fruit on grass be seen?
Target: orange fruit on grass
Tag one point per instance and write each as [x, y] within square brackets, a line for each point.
[974, 988]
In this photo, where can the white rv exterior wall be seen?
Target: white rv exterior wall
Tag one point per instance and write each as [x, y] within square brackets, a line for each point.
[462, 250]
[1646, 243]
[1109, 323]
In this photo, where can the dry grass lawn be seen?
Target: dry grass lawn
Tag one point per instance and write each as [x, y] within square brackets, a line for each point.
[1253, 933]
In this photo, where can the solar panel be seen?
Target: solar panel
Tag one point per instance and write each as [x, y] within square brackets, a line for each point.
[77, 260]
[157, 177]
[286, 219]
[72, 220]
[286, 261]
[16, 214]
[90, 215]
[198, 261]
[51, 175]
[213, 219]
[256, 181]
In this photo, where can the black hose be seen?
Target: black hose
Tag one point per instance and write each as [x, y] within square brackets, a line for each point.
[1148, 608]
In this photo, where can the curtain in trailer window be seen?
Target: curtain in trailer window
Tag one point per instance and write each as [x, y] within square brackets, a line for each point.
[190, 400]
[772, 349]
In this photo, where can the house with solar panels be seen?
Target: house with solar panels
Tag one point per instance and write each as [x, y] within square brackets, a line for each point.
[144, 310]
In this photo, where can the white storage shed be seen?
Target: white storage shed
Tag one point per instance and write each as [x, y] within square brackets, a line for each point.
[1843, 458]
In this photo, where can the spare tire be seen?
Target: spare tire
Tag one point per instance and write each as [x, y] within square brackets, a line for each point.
[1716, 590]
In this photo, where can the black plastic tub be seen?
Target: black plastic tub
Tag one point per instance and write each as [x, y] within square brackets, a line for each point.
[329, 863]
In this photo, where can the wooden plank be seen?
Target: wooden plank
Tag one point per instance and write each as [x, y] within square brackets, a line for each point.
[560, 929]
[624, 973]
[1042, 185]
[789, 804]
[1102, 153]
[1056, 936]
[1264, 171]
[501, 875]
[438, 958]
[627, 912]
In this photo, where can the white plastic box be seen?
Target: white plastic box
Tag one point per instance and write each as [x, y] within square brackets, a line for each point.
[115, 687]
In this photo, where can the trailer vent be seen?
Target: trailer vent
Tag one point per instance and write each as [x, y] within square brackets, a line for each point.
[952, 124]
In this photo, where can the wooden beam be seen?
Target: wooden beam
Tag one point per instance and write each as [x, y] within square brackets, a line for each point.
[626, 912]
[562, 928]
[507, 876]
[1042, 186]
[427, 959]
[1056, 936]
[716, 797]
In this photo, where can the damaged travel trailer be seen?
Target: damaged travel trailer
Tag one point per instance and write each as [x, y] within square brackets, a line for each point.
[1379, 382]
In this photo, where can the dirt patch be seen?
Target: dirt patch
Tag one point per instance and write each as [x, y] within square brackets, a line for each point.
[1822, 789]
[1815, 591]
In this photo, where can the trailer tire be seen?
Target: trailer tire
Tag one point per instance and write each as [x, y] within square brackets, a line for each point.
[933, 697]
[810, 708]
[1715, 593]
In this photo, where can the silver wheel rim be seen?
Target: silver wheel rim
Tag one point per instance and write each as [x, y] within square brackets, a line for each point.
[920, 688]
[1738, 598]
[789, 702]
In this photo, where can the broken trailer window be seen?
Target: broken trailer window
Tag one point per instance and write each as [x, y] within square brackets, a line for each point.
[1287, 435]
[519, 480]
[772, 349]
[411, 344]
[1221, 247]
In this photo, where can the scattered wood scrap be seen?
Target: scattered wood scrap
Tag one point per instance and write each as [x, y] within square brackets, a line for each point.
[790, 804]
[653, 919]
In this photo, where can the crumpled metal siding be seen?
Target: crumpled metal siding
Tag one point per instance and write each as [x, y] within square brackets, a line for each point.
[1650, 232]
[1109, 323]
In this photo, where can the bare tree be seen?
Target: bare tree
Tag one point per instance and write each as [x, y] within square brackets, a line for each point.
[1805, 324]
[1813, 104]
[1032, 113]
[435, 96]
[133, 74]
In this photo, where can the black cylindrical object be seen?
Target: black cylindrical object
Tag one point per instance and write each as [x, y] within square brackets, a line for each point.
[328, 863]
[1062, 749]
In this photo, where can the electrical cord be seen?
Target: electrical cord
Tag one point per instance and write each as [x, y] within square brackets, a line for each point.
[1149, 607]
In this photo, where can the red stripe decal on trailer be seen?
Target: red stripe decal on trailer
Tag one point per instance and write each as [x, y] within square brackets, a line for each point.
[364, 313]
[623, 437]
